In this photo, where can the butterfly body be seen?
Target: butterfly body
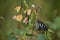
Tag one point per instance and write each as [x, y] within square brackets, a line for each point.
[41, 26]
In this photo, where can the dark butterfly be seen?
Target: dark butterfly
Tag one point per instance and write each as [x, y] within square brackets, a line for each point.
[40, 26]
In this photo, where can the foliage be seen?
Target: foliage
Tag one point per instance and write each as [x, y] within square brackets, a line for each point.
[55, 26]
[41, 37]
[46, 12]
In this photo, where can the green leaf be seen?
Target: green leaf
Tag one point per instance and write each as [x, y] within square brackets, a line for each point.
[41, 37]
[50, 30]
[58, 34]
[29, 34]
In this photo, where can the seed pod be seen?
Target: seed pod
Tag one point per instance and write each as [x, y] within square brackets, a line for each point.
[26, 20]
[18, 17]
[28, 11]
[18, 8]
[33, 5]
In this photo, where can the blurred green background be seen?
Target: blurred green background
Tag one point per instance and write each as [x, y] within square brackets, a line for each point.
[48, 11]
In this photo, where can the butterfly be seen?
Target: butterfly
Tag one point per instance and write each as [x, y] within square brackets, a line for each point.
[18, 17]
[40, 26]
[18, 8]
